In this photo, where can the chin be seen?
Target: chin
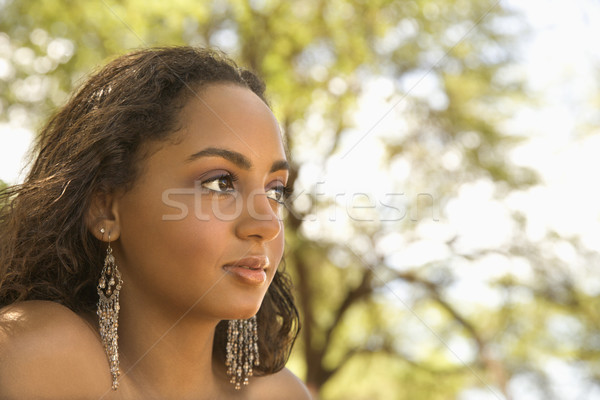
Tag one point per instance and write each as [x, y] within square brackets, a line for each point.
[243, 312]
[240, 307]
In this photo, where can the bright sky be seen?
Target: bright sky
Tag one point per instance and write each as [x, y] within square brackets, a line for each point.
[563, 63]
[14, 143]
[560, 63]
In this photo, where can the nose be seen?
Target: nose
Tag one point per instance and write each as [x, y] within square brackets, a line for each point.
[259, 220]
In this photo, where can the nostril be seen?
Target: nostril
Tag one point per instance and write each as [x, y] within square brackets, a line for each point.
[264, 229]
[260, 219]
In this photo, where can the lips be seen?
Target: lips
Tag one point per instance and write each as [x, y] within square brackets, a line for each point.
[249, 270]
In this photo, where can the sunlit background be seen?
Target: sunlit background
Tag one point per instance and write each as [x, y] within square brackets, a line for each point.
[445, 224]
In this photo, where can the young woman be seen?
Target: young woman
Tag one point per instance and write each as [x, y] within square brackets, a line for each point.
[139, 259]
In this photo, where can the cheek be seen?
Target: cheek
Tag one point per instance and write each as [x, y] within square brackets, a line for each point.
[195, 233]
[160, 244]
[278, 245]
[193, 244]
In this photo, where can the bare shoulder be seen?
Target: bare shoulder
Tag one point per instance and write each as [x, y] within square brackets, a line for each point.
[281, 385]
[47, 348]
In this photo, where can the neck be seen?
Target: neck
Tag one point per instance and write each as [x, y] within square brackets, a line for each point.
[167, 354]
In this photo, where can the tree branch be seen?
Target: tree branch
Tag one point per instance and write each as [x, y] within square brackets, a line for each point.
[353, 295]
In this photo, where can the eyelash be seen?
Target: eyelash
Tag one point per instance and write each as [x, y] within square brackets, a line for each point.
[232, 178]
[286, 192]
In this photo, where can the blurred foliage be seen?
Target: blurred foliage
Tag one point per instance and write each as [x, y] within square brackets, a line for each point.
[373, 327]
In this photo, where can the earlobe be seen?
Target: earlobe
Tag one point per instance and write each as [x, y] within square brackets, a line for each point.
[102, 218]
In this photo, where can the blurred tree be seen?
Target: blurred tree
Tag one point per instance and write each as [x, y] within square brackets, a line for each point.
[377, 272]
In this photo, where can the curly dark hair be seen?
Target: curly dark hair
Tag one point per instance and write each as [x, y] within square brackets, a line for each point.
[94, 145]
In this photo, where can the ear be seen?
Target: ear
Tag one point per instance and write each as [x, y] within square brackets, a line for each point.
[103, 215]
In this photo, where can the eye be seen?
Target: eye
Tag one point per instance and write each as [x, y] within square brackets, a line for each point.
[221, 183]
[279, 193]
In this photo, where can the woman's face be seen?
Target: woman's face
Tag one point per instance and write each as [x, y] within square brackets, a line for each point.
[200, 226]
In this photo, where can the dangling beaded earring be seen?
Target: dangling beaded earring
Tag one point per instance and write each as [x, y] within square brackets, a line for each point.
[109, 287]
[242, 350]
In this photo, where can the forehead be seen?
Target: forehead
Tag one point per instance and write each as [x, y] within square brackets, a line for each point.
[233, 117]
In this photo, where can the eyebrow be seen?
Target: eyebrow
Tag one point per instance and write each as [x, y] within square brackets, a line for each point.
[280, 165]
[237, 158]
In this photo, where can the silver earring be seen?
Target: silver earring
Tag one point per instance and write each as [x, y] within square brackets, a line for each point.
[109, 287]
[242, 350]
